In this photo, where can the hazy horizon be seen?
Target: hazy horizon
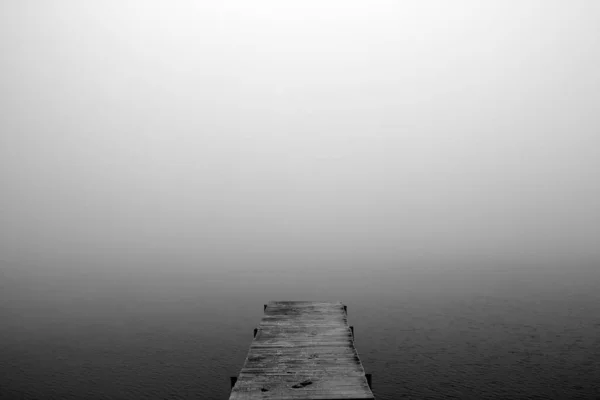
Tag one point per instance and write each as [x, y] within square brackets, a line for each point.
[462, 130]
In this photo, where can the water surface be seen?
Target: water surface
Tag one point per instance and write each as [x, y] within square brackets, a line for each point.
[425, 330]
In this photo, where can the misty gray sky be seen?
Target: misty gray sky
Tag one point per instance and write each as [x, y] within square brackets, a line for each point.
[454, 128]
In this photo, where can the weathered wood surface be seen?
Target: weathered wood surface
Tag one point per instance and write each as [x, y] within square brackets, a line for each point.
[302, 350]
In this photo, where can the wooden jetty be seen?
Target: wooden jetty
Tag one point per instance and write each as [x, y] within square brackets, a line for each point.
[302, 350]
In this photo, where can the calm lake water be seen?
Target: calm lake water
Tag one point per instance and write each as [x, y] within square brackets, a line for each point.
[171, 329]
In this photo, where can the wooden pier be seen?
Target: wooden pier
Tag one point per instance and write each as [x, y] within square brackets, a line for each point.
[302, 351]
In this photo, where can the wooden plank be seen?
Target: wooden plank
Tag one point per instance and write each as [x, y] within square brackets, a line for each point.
[302, 351]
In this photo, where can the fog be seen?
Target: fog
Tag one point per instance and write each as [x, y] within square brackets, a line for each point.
[310, 130]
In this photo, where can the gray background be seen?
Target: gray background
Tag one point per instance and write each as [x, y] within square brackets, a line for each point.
[168, 167]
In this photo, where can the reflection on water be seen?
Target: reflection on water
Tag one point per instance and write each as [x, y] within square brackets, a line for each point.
[179, 332]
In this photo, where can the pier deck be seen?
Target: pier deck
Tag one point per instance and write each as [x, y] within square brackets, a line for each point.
[302, 350]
